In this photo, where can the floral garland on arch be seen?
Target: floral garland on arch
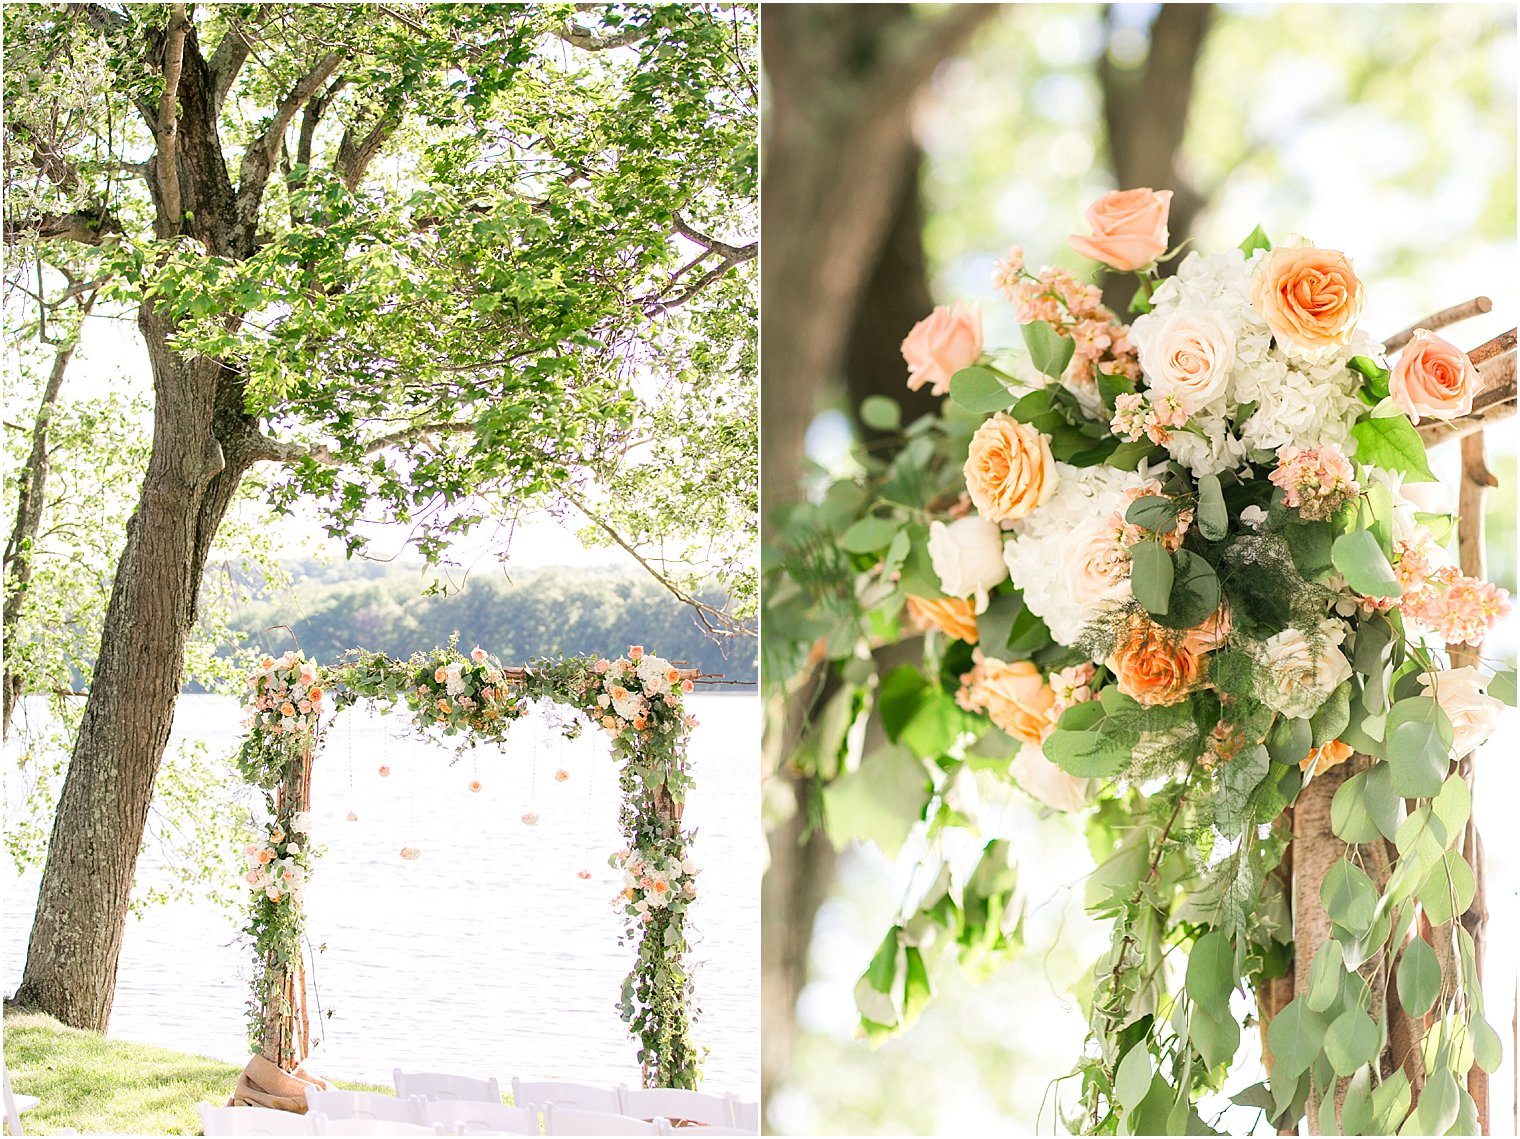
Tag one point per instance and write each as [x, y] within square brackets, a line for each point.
[468, 699]
[1171, 573]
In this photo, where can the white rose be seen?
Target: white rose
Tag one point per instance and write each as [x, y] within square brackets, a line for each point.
[1472, 711]
[1188, 354]
[968, 557]
[1302, 679]
[301, 822]
[1097, 568]
[1043, 780]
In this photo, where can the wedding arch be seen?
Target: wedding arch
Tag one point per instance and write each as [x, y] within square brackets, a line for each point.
[472, 698]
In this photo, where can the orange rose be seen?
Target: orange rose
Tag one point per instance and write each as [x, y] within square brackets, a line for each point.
[1128, 228]
[953, 616]
[287, 709]
[944, 342]
[1015, 697]
[1151, 668]
[1324, 757]
[1433, 378]
[1009, 469]
[1310, 298]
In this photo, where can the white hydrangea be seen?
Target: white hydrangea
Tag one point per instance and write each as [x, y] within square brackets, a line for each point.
[1299, 403]
[1042, 546]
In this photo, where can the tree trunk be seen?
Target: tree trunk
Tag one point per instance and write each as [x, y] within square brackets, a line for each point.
[201, 449]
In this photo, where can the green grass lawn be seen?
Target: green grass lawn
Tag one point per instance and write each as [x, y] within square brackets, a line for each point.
[95, 1084]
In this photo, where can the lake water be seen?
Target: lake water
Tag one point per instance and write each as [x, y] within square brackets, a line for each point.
[489, 954]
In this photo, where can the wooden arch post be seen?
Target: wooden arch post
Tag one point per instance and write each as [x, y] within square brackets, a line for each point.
[1315, 847]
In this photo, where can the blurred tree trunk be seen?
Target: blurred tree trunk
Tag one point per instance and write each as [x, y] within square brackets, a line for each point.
[1145, 110]
[844, 280]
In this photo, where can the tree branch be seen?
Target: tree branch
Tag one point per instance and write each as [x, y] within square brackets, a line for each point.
[228, 59]
[88, 227]
[167, 134]
[587, 40]
[354, 158]
[1494, 402]
[259, 158]
[1442, 319]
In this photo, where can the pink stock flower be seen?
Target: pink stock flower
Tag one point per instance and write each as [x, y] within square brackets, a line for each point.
[1315, 481]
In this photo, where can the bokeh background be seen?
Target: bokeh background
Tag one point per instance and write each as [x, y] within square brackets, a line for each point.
[906, 147]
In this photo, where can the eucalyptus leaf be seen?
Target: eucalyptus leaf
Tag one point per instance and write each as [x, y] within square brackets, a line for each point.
[1049, 351]
[1151, 576]
[980, 389]
[1419, 978]
[1213, 520]
[1295, 1037]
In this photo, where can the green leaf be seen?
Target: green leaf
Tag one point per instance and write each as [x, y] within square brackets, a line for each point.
[1390, 1103]
[1449, 890]
[1132, 1080]
[1383, 803]
[1419, 978]
[1289, 741]
[1213, 519]
[1331, 717]
[1349, 897]
[1085, 754]
[1487, 1050]
[882, 413]
[1294, 1037]
[878, 803]
[1502, 686]
[1215, 1037]
[1351, 1041]
[1326, 975]
[869, 535]
[916, 988]
[1256, 239]
[1049, 351]
[1154, 512]
[1195, 592]
[1453, 804]
[1419, 738]
[1151, 576]
[1211, 970]
[1362, 563]
[1392, 443]
[1350, 818]
[979, 389]
[1038, 409]
[1438, 1106]
[1356, 1113]
[1112, 387]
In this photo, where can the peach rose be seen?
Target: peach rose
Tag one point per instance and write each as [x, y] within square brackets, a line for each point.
[1128, 228]
[1463, 696]
[1188, 355]
[1015, 697]
[953, 616]
[1310, 298]
[1009, 469]
[944, 342]
[1097, 567]
[1209, 635]
[1324, 757]
[1150, 667]
[1433, 378]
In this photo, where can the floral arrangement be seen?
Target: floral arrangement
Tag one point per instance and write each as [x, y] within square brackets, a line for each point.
[636, 699]
[1171, 573]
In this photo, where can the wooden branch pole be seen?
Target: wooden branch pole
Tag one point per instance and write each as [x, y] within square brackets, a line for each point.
[1315, 846]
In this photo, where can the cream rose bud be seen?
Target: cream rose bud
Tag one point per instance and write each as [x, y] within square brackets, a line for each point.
[944, 342]
[1188, 355]
[1009, 469]
[1044, 781]
[1128, 228]
[1462, 695]
[968, 558]
[1433, 378]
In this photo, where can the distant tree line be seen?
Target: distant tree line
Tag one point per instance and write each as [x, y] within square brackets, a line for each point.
[547, 613]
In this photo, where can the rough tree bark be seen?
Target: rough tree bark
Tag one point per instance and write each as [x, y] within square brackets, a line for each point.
[203, 444]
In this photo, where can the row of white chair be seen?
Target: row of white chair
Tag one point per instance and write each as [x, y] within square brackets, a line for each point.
[504, 1120]
[639, 1103]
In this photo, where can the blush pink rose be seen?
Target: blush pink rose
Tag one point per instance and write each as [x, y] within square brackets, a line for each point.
[1433, 378]
[1128, 228]
[944, 342]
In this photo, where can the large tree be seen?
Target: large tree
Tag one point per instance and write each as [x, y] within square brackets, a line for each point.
[432, 262]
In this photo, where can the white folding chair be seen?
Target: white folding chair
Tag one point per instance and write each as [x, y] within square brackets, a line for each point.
[14, 1104]
[572, 1121]
[256, 1121]
[364, 1126]
[746, 1114]
[463, 1117]
[438, 1085]
[676, 1103]
[582, 1097]
[705, 1130]
[363, 1105]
